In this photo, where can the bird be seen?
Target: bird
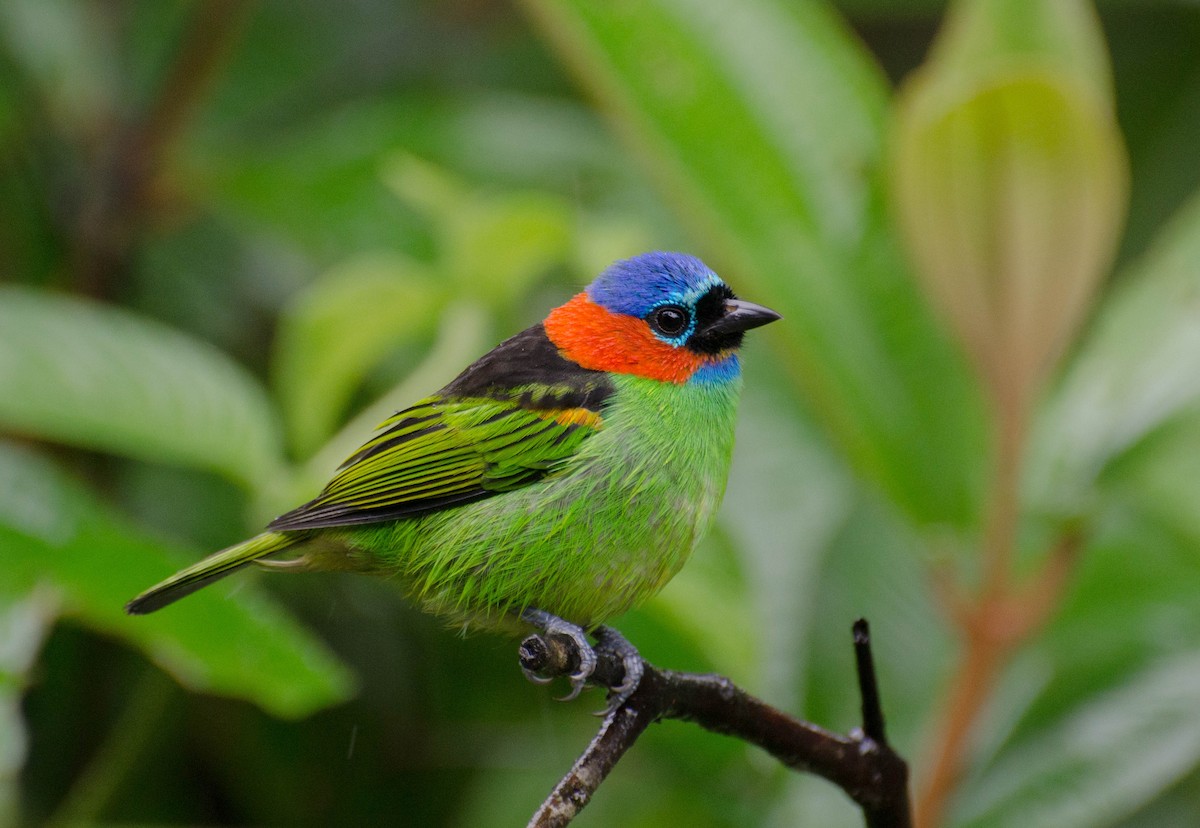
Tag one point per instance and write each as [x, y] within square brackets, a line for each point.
[560, 480]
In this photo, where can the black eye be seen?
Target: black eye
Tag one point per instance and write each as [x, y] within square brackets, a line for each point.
[669, 320]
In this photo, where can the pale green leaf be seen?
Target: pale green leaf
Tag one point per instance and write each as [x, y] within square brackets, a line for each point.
[334, 332]
[492, 246]
[424, 185]
[1135, 372]
[1108, 758]
[225, 639]
[496, 247]
[88, 375]
[65, 48]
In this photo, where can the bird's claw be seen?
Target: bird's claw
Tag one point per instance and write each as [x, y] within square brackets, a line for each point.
[609, 639]
[587, 664]
[552, 625]
[534, 677]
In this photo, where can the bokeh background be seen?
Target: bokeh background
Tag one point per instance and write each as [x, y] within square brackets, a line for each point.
[235, 235]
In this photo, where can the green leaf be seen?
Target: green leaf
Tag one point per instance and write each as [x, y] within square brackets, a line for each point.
[225, 639]
[1108, 758]
[1161, 476]
[496, 247]
[1134, 373]
[1128, 606]
[813, 104]
[492, 246]
[67, 50]
[339, 328]
[88, 375]
[763, 122]
[766, 110]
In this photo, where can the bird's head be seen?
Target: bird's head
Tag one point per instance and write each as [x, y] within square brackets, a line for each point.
[664, 316]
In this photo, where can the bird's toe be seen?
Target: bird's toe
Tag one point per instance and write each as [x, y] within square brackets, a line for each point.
[610, 640]
[552, 625]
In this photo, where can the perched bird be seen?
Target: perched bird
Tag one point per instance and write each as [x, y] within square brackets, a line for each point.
[561, 479]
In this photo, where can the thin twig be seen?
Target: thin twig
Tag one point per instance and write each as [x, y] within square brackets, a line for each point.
[986, 647]
[993, 630]
[868, 686]
[894, 811]
[862, 765]
[618, 732]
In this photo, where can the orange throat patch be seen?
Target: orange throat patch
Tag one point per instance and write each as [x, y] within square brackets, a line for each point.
[592, 336]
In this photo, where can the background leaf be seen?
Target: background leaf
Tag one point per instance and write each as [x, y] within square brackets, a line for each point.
[55, 538]
[1110, 756]
[97, 377]
[1134, 373]
[335, 331]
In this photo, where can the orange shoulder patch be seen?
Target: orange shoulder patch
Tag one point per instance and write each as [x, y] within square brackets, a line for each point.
[574, 416]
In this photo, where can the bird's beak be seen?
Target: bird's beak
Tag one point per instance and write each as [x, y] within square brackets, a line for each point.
[741, 315]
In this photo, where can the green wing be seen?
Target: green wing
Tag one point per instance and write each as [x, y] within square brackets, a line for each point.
[445, 452]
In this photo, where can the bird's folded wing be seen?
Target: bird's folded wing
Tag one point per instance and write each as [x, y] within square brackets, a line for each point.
[445, 452]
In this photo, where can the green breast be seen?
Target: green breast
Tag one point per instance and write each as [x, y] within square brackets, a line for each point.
[588, 542]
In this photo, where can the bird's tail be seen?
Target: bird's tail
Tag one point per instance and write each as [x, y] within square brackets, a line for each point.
[202, 573]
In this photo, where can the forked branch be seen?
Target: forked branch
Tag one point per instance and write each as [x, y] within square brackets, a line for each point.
[861, 763]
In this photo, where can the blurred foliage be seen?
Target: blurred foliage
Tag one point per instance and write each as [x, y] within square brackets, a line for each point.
[234, 236]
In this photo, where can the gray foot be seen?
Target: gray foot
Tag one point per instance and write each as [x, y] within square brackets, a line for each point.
[553, 625]
[609, 639]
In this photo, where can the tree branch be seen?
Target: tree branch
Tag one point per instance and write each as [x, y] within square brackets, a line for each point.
[122, 194]
[862, 764]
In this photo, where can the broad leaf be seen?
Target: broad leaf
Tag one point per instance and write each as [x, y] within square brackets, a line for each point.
[493, 247]
[338, 329]
[497, 247]
[1128, 605]
[1135, 372]
[55, 538]
[1109, 757]
[80, 373]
